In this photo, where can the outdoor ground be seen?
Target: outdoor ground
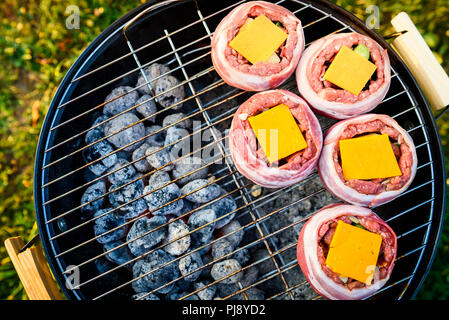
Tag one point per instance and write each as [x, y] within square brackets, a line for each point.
[36, 49]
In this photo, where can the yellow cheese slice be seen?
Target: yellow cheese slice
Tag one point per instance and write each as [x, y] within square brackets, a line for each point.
[277, 132]
[368, 157]
[258, 39]
[350, 71]
[353, 252]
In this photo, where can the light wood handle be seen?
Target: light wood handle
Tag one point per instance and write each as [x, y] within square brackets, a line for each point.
[418, 57]
[33, 271]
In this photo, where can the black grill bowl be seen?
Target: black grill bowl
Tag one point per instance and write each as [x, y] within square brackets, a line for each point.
[416, 216]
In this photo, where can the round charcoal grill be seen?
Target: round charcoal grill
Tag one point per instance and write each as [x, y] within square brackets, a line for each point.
[177, 34]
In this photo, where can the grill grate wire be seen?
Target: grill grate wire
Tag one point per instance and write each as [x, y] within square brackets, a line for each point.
[243, 190]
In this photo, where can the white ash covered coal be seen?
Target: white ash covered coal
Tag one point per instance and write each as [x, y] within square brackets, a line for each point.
[157, 211]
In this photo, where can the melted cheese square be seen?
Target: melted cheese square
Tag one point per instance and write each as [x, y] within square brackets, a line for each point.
[368, 157]
[350, 71]
[277, 132]
[258, 40]
[353, 252]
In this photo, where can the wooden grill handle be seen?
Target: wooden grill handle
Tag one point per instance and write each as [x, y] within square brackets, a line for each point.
[418, 57]
[33, 271]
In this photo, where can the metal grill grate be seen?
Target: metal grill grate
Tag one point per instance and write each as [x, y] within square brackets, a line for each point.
[213, 102]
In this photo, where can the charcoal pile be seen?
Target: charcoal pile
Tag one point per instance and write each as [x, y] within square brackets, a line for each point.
[157, 214]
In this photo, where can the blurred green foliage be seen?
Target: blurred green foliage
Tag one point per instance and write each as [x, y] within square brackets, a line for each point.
[36, 49]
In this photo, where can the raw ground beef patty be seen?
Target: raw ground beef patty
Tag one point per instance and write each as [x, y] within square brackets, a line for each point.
[236, 70]
[250, 160]
[313, 244]
[330, 100]
[368, 193]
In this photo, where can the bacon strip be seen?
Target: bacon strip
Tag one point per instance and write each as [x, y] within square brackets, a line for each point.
[235, 70]
[311, 258]
[377, 191]
[329, 100]
[243, 143]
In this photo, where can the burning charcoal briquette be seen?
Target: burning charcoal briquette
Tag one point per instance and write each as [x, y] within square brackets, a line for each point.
[147, 107]
[151, 72]
[188, 264]
[184, 167]
[229, 233]
[161, 201]
[159, 178]
[96, 133]
[124, 102]
[93, 192]
[96, 151]
[107, 222]
[177, 142]
[159, 159]
[198, 219]
[155, 139]
[224, 269]
[207, 293]
[198, 191]
[121, 171]
[120, 255]
[155, 275]
[123, 138]
[145, 243]
[123, 195]
[221, 248]
[145, 296]
[141, 165]
[178, 118]
[177, 230]
[224, 207]
[169, 92]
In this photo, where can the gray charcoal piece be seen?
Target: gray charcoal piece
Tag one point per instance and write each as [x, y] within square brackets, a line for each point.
[155, 276]
[96, 133]
[188, 207]
[147, 107]
[139, 246]
[119, 256]
[162, 201]
[121, 171]
[124, 102]
[177, 141]
[97, 190]
[184, 167]
[135, 208]
[198, 219]
[108, 222]
[151, 72]
[242, 256]
[188, 264]
[221, 248]
[168, 93]
[229, 233]
[224, 207]
[125, 196]
[141, 165]
[177, 230]
[96, 151]
[155, 139]
[207, 293]
[159, 178]
[224, 269]
[179, 118]
[159, 159]
[145, 296]
[204, 192]
[134, 131]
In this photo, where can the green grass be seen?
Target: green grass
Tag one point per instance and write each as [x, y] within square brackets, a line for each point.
[36, 50]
